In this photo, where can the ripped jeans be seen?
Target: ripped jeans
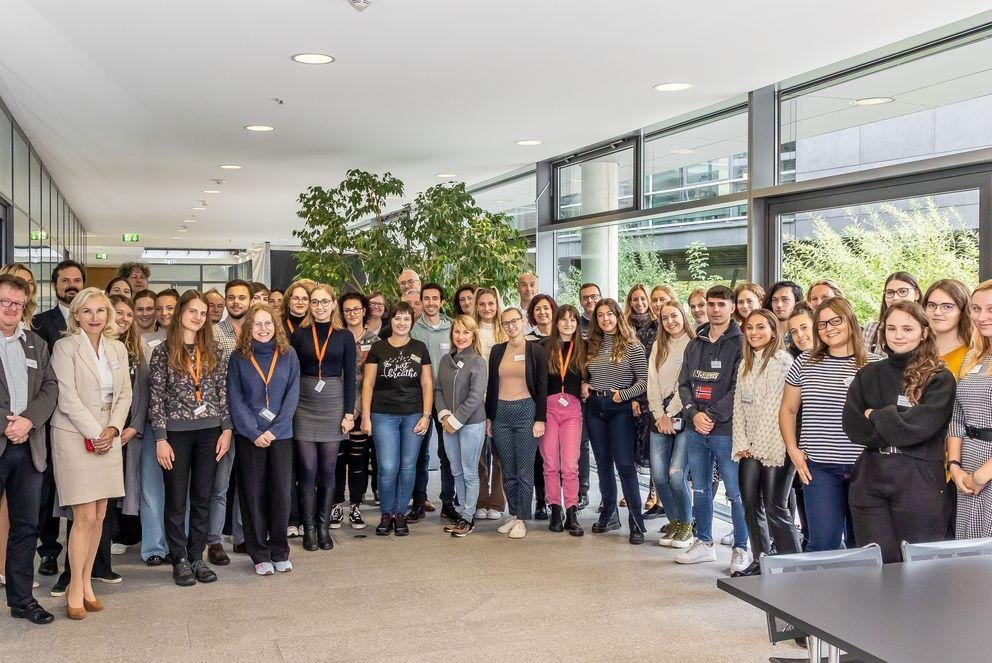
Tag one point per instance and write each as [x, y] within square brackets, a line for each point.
[703, 451]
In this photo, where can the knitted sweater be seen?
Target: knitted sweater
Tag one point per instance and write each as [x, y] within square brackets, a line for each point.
[756, 404]
[663, 382]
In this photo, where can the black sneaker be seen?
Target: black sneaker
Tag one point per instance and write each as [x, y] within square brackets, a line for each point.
[385, 525]
[110, 579]
[203, 572]
[155, 560]
[337, 517]
[400, 526]
[606, 525]
[753, 569]
[182, 574]
[583, 501]
[58, 589]
[415, 515]
[449, 513]
[49, 566]
[355, 518]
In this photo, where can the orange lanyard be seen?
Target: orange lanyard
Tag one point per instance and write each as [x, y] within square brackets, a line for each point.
[289, 323]
[266, 379]
[195, 374]
[321, 351]
[564, 363]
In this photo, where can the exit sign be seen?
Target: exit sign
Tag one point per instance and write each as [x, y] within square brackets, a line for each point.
[38, 235]
[130, 238]
[101, 256]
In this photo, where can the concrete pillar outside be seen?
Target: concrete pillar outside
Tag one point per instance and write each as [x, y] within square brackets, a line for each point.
[600, 245]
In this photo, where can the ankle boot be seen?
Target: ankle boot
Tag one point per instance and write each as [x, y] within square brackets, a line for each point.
[325, 502]
[557, 523]
[308, 503]
[572, 521]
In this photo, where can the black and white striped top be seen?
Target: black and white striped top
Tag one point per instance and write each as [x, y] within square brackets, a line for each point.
[824, 388]
[971, 408]
[630, 375]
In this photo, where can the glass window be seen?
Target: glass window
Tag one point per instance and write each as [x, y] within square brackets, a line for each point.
[517, 198]
[22, 241]
[600, 184]
[696, 163]
[931, 106]
[6, 165]
[21, 165]
[35, 211]
[932, 237]
[216, 273]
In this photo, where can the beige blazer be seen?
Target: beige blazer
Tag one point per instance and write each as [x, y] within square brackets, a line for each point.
[80, 401]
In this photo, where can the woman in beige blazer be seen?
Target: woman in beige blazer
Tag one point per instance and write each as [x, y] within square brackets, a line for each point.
[94, 401]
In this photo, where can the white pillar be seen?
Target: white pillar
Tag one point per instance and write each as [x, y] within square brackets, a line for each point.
[600, 246]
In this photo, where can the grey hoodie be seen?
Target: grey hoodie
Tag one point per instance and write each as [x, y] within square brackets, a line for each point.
[437, 339]
[460, 388]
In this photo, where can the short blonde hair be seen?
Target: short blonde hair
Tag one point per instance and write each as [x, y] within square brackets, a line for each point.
[469, 324]
[81, 300]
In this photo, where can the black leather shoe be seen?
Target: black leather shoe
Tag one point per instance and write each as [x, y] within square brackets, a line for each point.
[541, 511]
[654, 512]
[572, 521]
[155, 560]
[601, 526]
[310, 536]
[415, 516]
[202, 572]
[583, 501]
[385, 525]
[49, 566]
[557, 523]
[448, 512]
[636, 536]
[324, 540]
[753, 569]
[34, 613]
[182, 574]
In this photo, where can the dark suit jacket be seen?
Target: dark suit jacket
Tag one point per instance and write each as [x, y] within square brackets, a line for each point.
[43, 395]
[536, 372]
[49, 325]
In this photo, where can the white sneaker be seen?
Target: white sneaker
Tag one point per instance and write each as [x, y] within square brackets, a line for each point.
[264, 569]
[481, 514]
[740, 559]
[697, 552]
[493, 514]
[508, 525]
[292, 532]
[727, 540]
[283, 567]
[519, 530]
[117, 549]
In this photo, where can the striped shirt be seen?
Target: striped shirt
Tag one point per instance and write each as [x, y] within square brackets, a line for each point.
[226, 338]
[630, 375]
[824, 388]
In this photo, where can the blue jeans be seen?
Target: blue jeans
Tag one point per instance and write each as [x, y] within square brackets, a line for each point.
[611, 435]
[703, 451]
[668, 462]
[464, 447]
[218, 499]
[827, 510]
[396, 448]
[152, 507]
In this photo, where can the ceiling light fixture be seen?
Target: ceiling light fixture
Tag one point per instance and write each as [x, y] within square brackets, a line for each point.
[230, 166]
[258, 127]
[182, 230]
[189, 221]
[672, 87]
[210, 191]
[313, 58]
[199, 209]
[682, 150]
[528, 142]
[873, 101]
[445, 175]
[360, 5]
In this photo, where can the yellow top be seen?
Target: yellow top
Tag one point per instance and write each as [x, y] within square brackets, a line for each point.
[954, 359]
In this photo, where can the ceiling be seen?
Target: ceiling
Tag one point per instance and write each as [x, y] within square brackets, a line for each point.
[134, 105]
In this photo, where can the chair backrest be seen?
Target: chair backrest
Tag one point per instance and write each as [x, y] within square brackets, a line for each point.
[919, 552]
[771, 565]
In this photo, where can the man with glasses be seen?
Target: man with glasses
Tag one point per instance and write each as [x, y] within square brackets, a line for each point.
[408, 280]
[215, 305]
[28, 392]
[589, 296]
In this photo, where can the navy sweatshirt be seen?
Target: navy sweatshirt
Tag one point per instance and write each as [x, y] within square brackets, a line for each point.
[709, 377]
[339, 359]
[246, 392]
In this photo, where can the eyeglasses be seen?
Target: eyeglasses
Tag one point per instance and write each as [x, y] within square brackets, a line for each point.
[589, 298]
[901, 292]
[945, 307]
[262, 324]
[321, 302]
[509, 324]
[7, 303]
[833, 322]
[377, 305]
[353, 311]
[299, 300]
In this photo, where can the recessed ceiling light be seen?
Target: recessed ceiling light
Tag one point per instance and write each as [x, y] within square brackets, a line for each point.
[445, 175]
[199, 209]
[313, 58]
[211, 191]
[182, 230]
[682, 150]
[873, 101]
[258, 127]
[230, 166]
[672, 87]
[177, 238]
[189, 221]
[527, 143]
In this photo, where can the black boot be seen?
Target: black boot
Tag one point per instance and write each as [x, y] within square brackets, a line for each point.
[572, 521]
[308, 502]
[540, 503]
[325, 501]
[636, 536]
[557, 523]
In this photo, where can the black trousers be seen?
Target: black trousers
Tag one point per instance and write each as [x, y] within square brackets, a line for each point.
[540, 497]
[265, 491]
[423, 462]
[896, 498]
[192, 475]
[21, 483]
[48, 525]
[352, 468]
[584, 465]
[768, 487]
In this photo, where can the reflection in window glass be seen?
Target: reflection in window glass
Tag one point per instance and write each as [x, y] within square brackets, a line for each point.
[602, 184]
[697, 163]
[932, 238]
[21, 165]
[6, 165]
[35, 174]
[517, 198]
[932, 106]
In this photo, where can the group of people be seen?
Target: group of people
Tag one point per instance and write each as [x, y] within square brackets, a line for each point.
[142, 411]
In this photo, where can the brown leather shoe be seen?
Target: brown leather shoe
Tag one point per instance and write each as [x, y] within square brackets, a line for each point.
[74, 613]
[239, 549]
[216, 555]
[92, 606]
[429, 507]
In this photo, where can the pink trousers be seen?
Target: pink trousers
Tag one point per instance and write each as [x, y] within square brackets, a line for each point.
[560, 449]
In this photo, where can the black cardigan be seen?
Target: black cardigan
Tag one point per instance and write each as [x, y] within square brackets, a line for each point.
[919, 431]
[536, 372]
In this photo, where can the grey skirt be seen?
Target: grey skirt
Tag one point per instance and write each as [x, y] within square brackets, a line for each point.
[319, 414]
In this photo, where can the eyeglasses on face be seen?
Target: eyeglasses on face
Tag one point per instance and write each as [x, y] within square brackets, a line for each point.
[8, 303]
[509, 324]
[299, 300]
[944, 307]
[900, 292]
[353, 311]
[833, 322]
[323, 303]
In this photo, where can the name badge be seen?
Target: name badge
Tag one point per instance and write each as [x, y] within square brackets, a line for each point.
[745, 398]
[445, 347]
[460, 363]
[972, 371]
[903, 401]
[200, 410]
[319, 387]
[848, 380]
[562, 401]
[519, 357]
[31, 363]
[716, 363]
[416, 358]
[155, 342]
[267, 414]
[365, 347]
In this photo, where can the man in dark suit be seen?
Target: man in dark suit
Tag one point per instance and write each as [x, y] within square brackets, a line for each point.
[67, 279]
[28, 394]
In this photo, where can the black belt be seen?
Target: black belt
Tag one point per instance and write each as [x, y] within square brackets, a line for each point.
[885, 451]
[979, 433]
[606, 393]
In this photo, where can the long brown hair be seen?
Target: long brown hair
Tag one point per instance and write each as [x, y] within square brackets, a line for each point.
[499, 335]
[335, 320]
[178, 357]
[664, 340]
[769, 350]
[306, 284]
[628, 309]
[980, 346]
[553, 342]
[925, 363]
[747, 286]
[905, 277]
[841, 307]
[244, 337]
[958, 292]
[132, 337]
[623, 338]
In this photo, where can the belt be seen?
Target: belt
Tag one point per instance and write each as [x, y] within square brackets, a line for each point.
[606, 393]
[979, 433]
[885, 451]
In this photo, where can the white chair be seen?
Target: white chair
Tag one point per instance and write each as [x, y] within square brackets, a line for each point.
[920, 552]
